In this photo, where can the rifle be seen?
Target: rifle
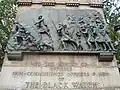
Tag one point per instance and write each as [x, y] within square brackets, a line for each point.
[54, 25]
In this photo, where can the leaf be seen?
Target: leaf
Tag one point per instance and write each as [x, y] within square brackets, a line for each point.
[7, 17]
[112, 15]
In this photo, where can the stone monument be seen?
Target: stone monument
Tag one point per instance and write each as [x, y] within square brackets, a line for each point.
[60, 45]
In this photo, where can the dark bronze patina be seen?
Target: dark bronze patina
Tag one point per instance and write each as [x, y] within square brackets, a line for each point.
[60, 30]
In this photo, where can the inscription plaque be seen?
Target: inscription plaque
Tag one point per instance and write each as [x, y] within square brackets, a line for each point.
[59, 72]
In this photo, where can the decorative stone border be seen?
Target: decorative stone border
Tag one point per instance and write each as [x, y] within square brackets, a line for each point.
[102, 56]
[96, 5]
[24, 3]
[73, 4]
[55, 2]
[48, 3]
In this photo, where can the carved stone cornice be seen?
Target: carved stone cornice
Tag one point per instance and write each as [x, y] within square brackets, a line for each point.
[72, 3]
[96, 3]
[48, 2]
[24, 2]
[69, 3]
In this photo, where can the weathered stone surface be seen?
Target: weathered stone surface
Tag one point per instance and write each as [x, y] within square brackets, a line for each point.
[64, 72]
[55, 70]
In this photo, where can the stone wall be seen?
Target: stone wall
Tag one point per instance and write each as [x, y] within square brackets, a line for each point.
[64, 72]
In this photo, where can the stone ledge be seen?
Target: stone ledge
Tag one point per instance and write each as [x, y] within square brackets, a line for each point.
[102, 56]
[15, 56]
[106, 57]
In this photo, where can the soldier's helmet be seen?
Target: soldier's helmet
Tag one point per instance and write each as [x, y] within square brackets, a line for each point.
[65, 26]
[60, 25]
[40, 17]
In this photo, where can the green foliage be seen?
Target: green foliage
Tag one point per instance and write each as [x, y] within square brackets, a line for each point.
[7, 16]
[112, 16]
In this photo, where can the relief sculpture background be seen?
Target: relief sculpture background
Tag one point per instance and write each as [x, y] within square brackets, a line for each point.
[60, 30]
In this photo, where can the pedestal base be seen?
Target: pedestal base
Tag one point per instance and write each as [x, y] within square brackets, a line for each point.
[59, 72]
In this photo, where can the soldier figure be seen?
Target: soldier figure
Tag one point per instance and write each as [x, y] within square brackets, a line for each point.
[107, 41]
[22, 37]
[70, 21]
[43, 28]
[102, 37]
[30, 40]
[44, 44]
[20, 34]
[19, 27]
[63, 32]
[99, 38]
[65, 36]
[79, 35]
[92, 35]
